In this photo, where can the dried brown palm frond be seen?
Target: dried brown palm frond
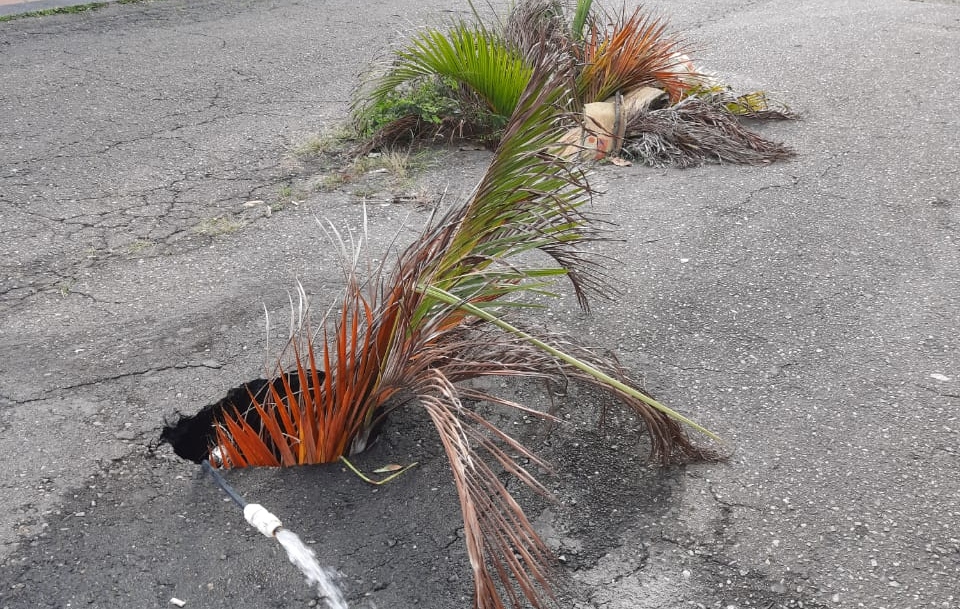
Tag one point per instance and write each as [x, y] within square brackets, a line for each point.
[506, 554]
[694, 132]
[483, 351]
[538, 27]
[411, 129]
[495, 528]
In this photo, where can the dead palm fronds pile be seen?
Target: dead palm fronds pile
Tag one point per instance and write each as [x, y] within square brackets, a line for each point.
[693, 132]
[411, 336]
[465, 82]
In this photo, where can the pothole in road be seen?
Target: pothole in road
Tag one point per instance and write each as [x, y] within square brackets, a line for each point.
[192, 436]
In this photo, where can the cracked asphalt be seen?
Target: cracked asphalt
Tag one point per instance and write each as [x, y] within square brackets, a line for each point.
[152, 208]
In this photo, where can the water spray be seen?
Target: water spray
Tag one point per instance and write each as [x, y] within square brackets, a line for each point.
[300, 555]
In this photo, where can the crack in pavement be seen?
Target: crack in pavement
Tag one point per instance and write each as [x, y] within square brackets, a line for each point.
[55, 391]
[794, 181]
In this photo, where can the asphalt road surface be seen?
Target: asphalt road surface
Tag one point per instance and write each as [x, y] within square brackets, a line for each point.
[152, 208]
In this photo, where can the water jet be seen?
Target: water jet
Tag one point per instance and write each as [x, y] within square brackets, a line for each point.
[299, 554]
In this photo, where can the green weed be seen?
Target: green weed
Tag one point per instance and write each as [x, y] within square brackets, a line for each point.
[64, 10]
[428, 100]
[325, 143]
[139, 245]
[332, 181]
[217, 226]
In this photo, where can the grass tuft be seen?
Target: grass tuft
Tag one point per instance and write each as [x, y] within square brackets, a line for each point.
[218, 226]
[65, 10]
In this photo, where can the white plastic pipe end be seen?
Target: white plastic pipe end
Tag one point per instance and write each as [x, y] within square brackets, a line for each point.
[261, 519]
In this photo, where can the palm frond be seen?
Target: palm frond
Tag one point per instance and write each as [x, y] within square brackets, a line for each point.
[536, 28]
[582, 17]
[637, 51]
[419, 331]
[471, 56]
[528, 199]
[694, 132]
[505, 552]
[663, 424]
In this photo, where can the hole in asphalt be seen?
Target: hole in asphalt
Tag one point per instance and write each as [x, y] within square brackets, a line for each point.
[192, 436]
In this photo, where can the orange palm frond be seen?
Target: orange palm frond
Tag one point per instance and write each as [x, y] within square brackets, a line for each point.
[637, 51]
[332, 402]
[246, 446]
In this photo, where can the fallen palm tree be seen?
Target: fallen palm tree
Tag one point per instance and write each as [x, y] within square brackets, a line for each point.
[412, 336]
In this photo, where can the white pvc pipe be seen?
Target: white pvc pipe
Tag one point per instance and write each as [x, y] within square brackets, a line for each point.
[261, 519]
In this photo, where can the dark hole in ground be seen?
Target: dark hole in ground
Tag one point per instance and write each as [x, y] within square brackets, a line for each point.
[191, 436]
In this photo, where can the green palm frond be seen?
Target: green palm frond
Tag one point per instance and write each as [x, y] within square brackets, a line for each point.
[528, 199]
[582, 16]
[468, 55]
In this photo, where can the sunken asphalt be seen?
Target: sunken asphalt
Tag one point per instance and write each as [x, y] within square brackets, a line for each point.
[151, 209]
